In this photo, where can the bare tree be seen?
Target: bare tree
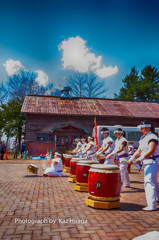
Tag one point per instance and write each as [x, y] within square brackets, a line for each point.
[77, 83]
[94, 87]
[86, 85]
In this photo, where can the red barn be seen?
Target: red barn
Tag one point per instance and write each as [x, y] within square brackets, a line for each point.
[54, 122]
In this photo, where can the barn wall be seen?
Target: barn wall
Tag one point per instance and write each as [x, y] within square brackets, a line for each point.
[37, 148]
[36, 122]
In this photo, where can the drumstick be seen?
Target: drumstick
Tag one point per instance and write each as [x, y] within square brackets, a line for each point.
[91, 153]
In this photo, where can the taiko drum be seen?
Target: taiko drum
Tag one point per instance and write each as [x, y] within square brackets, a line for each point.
[73, 165]
[101, 158]
[32, 168]
[82, 171]
[104, 182]
[67, 159]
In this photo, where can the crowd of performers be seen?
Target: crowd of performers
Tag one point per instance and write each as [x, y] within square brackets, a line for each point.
[147, 155]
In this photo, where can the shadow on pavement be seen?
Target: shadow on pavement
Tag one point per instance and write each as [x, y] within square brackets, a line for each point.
[130, 207]
[128, 190]
[32, 176]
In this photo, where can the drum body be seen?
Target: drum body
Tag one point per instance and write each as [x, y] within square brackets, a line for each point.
[82, 171]
[104, 182]
[73, 165]
[101, 158]
[67, 160]
[62, 158]
[32, 168]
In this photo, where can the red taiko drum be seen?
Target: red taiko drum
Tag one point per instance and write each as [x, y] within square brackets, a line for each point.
[62, 158]
[67, 159]
[73, 165]
[104, 182]
[101, 158]
[82, 171]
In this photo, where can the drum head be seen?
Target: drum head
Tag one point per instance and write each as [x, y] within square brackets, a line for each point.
[69, 156]
[32, 165]
[87, 162]
[104, 166]
[78, 159]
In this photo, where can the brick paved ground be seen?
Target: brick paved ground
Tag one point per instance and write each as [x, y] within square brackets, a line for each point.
[43, 198]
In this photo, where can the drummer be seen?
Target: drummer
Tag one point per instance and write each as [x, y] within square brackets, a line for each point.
[130, 148]
[148, 154]
[107, 146]
[82, 150]
[90, 149]
[55, 170]
[121, 150]
[78, 146]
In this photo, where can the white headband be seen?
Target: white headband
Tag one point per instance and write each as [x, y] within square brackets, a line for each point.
[105, 131]
[58, 154]
[90, 137]
[77, 139]
[144, 126]
[83, 139]
[117, 131]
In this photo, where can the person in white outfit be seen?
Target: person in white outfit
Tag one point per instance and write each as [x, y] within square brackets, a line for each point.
[107, 146]
[148, 154]
[78, 146]
[130, 148]
[90, 149]
[55, 170]
[121, 150]
[82, 149]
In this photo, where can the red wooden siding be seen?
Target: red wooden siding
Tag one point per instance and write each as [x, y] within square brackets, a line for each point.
[37, 148]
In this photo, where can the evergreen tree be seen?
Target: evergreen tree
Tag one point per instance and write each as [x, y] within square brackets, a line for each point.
[143, 87]
[12, 119]
[148, 87]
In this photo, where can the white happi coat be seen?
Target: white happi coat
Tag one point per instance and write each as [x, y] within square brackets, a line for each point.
[144, 145]
[105, 142]
[91, 152]
[109, 150]
[132, 149]
[55, 170]
[118, 143]
[151, 166]
[82, 150]
[78, 146]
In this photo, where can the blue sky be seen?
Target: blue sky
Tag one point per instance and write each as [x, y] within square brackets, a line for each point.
[115, 35]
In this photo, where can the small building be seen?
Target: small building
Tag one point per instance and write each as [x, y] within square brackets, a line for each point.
[54, 122]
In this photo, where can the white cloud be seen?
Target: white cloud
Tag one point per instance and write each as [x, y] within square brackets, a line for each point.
[104, 71]
[12, 66]
[42, 78]
[77, 57]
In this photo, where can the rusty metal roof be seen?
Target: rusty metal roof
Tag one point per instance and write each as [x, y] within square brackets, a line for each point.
[89, 106]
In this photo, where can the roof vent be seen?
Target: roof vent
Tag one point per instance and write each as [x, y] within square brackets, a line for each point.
[66, 92]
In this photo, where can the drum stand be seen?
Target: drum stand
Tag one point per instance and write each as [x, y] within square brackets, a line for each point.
[72, 178]
[66, 169]
[81, 188]
[102, 204]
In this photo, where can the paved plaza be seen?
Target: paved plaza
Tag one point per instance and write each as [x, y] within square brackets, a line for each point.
[34, 207]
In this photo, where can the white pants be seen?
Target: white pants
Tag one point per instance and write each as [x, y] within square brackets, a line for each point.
[52, 173]
[124, 172]
[151, 184]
